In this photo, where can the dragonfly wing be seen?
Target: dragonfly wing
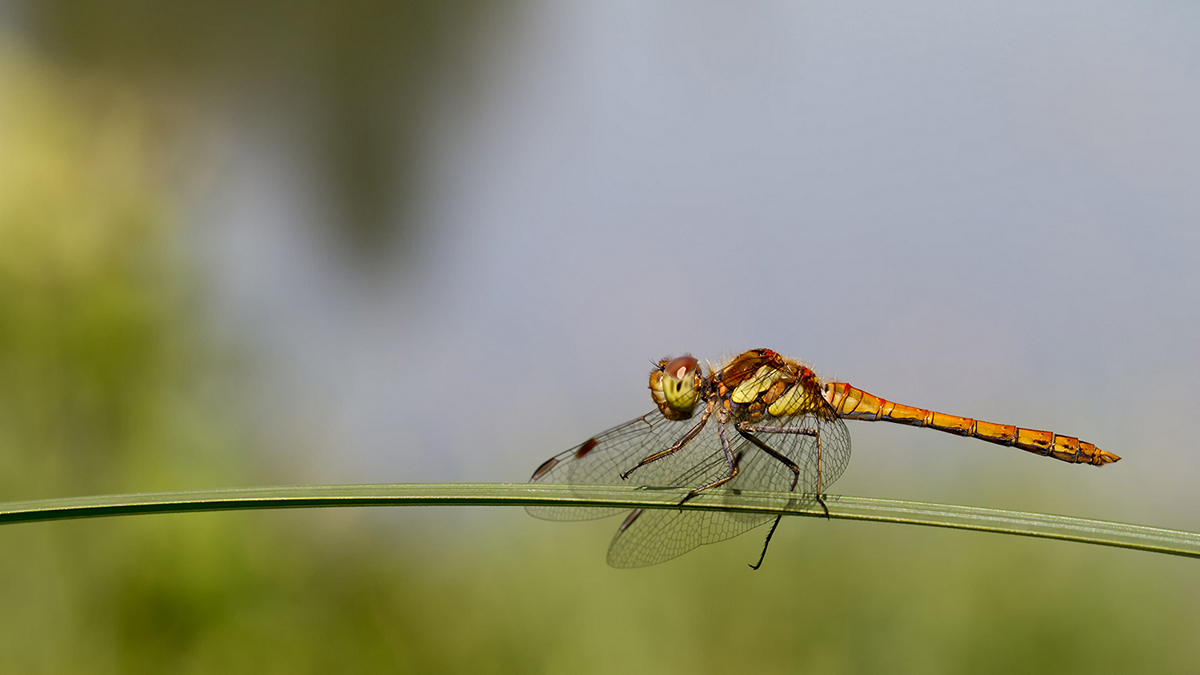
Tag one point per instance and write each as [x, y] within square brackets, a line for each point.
[602, 459]
[651, 536]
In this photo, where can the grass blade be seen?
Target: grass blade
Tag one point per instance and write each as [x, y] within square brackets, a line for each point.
[1158, 540]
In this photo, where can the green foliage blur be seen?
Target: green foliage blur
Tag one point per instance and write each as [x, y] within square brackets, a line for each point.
[111, 382]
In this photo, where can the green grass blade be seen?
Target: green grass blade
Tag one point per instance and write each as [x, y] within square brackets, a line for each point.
[1173, 542]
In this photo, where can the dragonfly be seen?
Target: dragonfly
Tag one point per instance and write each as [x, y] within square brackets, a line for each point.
[760, 422]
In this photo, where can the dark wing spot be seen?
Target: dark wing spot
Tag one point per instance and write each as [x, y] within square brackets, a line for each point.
[629, 519]
[587, 447]
[545, 468]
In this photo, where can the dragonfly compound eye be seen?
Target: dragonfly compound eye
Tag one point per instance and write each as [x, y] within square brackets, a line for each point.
[675, 386]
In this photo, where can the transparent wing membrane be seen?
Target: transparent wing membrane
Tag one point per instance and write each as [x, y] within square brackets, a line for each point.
[600, 460]
[652, 536]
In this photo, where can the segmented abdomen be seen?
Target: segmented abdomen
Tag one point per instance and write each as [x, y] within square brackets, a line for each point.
[853, 403]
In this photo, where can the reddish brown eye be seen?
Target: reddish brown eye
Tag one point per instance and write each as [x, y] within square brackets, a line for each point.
[681, 366]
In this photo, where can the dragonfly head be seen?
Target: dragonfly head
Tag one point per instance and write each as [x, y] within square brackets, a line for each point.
[675, 386]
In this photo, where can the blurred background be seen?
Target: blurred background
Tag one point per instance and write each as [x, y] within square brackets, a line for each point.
[413, 241]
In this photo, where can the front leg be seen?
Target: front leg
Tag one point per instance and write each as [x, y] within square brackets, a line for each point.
[731, 463]
[687, 438]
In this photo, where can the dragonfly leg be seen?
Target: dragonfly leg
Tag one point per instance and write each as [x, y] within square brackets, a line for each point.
[790, 464]
[821, 501]
[757, 428]
[687, 438]
[762, 556]
[730, 461]
[820, 476]
[744, 430]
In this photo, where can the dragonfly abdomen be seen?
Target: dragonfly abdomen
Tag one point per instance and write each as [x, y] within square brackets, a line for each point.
[854, 403]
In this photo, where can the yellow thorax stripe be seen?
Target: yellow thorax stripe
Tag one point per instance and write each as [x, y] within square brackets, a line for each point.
[751, 388]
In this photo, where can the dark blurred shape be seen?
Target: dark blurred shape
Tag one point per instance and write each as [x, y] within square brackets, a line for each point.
[359, 73]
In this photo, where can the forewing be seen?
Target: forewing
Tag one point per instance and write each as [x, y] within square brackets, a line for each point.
[602, 459]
